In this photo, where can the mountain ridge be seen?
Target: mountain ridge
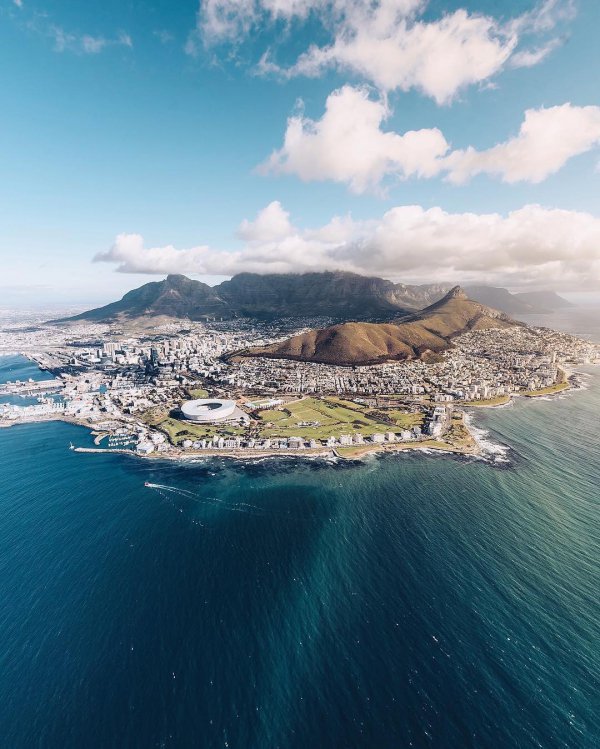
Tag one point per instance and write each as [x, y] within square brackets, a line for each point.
[339, 295]
[422, 335]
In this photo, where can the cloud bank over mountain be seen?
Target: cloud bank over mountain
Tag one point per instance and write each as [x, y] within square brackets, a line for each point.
[530, 247]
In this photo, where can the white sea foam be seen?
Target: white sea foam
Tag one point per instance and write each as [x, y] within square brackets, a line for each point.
[583, 382]
[509, 404]
[494, 452]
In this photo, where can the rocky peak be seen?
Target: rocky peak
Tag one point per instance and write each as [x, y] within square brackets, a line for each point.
[455, 293]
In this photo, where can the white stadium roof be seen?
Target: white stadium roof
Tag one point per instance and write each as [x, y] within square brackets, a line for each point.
[208, 409]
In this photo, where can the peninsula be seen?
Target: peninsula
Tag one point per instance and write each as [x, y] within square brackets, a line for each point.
[246, 386]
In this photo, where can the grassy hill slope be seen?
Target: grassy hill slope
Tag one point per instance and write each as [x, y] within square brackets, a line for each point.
[419, 336]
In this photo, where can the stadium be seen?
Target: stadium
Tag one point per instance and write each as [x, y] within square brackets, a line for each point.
[208, 410]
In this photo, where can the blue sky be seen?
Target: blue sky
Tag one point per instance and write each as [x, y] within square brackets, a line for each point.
[138, 119]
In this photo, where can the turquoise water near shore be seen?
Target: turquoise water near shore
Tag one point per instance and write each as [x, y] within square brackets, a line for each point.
[410, 600]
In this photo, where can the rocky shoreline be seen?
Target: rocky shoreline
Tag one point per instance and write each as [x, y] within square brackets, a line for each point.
[471, 446]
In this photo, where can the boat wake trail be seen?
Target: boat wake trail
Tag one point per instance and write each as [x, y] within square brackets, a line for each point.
[168, 492]
[166, 488]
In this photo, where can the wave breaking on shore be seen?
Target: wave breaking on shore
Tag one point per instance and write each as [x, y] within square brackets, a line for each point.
[493, 452]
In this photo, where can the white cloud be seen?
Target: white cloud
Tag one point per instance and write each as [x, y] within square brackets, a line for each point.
[531, 247]
[438, 57]
[389, 42]
[348, 145]
[124, 39]
[528, 58]
[164, 36]
[228, 20]
[18, 3]
[547, 139]
[66, 41]
[271, 224]
[62, 39]
[93, 44]
[129, 252]
[546, 16]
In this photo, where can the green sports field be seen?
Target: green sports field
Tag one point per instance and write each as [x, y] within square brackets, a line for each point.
[328, 417]
[334, 416]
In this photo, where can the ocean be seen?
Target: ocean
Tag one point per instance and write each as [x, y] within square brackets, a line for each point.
[14, 368]
[410, 600]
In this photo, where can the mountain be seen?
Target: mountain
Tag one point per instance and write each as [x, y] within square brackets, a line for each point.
[501, 299]
[416, 337]
[544, 301]
[334, 294]
[340, 295]
[175, 297]
[526, 303]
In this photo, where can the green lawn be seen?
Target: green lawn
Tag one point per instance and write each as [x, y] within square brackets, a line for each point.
[335, 417]
[402, 419]
[179, 430]
[498, 401]
[198, 393]
[546, 391]
[185, 430]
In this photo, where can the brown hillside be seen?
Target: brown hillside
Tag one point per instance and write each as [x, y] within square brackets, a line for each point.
[417, 336]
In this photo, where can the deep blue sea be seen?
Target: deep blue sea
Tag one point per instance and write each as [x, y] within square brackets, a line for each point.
[408, 601]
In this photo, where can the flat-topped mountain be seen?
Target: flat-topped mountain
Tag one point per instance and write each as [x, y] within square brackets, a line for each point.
[334, 294]
[418, 336]
[338, 295]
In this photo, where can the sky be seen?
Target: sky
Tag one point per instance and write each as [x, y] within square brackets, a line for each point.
[451, 141]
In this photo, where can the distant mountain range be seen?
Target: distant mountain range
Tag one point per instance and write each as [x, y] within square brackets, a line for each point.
[339, 295]
[418, 336]
[526, 303]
